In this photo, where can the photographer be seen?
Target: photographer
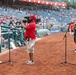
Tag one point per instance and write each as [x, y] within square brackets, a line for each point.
[29, 35]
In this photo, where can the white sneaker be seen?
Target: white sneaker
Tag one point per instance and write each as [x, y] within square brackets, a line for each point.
[0, 62]
[30, 62]
[75, 51]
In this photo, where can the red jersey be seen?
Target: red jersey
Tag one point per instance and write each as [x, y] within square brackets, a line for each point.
[30, 31]
[69, 27]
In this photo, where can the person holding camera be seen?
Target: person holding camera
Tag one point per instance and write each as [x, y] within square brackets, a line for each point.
[29, 35]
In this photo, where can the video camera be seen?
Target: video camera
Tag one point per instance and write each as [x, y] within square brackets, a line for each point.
[28, 19]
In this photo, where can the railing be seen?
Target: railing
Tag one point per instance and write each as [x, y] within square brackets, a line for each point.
[8, 33]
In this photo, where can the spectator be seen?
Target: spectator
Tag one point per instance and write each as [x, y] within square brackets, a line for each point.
[71, 27]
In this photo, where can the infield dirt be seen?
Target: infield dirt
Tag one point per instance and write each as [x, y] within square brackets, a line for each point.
[49, 58]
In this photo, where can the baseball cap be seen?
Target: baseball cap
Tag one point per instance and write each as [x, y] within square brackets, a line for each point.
[33, 17]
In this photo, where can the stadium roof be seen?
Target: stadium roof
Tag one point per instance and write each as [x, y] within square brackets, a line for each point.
[46, 2]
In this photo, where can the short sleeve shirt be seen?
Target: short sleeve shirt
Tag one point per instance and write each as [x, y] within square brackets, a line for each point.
[30, 31]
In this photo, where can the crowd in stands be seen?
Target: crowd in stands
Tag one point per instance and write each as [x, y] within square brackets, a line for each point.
[49, 19]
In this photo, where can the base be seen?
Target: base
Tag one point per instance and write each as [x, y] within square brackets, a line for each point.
[8, 61]
[68, 63]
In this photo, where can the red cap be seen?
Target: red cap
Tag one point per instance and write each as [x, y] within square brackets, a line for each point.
[33, 17]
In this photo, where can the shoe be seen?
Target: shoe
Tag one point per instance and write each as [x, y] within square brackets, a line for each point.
[0, 62]
[75, 51]
[30, 62]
